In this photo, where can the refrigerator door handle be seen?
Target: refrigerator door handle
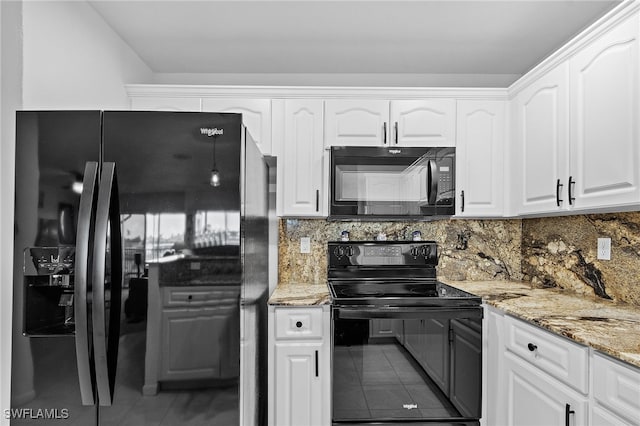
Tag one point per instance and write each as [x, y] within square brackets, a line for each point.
[106, 319]
[82, 336]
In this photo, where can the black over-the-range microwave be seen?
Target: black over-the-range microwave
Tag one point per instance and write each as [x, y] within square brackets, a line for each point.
[392, 182]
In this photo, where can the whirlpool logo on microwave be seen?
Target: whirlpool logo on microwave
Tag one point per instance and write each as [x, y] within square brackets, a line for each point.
[395, 151]
[409, 406]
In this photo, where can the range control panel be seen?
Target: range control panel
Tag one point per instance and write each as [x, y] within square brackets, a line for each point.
[383, 253]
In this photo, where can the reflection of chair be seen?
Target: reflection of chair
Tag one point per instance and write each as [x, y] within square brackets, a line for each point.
[135, 307]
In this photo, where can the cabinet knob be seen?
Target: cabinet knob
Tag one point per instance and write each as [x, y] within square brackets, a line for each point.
[532, 347]
[299, 324]
[190, 297]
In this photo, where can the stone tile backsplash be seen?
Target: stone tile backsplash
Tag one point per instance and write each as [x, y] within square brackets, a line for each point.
[562, 252]
[468, 249]
[555, 252]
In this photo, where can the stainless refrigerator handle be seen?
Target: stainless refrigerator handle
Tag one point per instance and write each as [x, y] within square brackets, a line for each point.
[106, 325]
[82, 339]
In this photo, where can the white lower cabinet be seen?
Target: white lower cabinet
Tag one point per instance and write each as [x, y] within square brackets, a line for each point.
[535, 398]
[299, 366]
[616, 392]
[536, 377]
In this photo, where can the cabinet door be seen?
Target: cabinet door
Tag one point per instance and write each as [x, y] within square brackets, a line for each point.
[466, 369]
[605, 162]
[256, 116]
[301, 182]
[194, 341]
[356, 122]
[299, 384]
[479, 158]
[542, 152]
[172, 103]
[534, 398]
[424, 122]
[382, 328]
[435, 356]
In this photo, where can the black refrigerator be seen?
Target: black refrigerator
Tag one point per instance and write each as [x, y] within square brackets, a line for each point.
[128, 227]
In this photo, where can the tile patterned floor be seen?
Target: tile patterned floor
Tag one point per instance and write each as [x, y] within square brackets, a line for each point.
[375, 381]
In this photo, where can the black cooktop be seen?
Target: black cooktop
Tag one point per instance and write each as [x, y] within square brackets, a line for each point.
[390, 293]
[390, 273]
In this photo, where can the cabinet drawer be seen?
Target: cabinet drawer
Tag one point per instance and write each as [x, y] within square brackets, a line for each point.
[199, 296]
[617, 387]
[298, 323]
[564, 360]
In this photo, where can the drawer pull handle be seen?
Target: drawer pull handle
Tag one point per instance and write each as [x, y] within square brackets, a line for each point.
[532, 347]
[190, 297]
[299, 324]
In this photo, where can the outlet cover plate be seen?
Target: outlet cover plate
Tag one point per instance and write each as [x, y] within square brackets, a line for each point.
[604, 248]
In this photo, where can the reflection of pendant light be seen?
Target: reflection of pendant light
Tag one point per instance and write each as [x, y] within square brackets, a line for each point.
[76, 186]
[215, 174]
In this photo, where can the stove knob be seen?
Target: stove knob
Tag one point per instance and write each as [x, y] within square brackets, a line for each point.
[425, 251]
[414, 251]
[336, 252]
[349, 250]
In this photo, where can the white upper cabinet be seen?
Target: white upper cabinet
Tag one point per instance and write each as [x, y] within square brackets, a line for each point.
[605, 124]
[169, 103]
[356, 122]
[479, 158]
[542, 143]
[577, 129]
[361, 122]
[424, 122]
[302, 180]
[256, 116]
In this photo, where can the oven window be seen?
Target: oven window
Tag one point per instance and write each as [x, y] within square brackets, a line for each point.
[398, 369]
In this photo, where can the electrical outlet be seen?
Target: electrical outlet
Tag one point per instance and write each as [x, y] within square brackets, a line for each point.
[604, 248]
[305, 245]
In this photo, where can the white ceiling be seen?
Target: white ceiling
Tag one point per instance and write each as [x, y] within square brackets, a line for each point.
[349, 36]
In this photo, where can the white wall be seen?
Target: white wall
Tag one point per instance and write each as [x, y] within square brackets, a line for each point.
[10, 98]
[336, 79]
[73, 59]
[53, 55]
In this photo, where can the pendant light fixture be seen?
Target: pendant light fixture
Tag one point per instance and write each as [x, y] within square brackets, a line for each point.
[215, 174]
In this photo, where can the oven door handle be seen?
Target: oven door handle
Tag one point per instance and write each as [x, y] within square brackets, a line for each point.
[406, 312]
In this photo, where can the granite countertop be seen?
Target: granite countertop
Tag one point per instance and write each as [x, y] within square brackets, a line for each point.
[610, 327]
[300, 294]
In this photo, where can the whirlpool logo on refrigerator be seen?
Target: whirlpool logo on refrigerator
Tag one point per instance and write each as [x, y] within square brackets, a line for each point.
[211, 132]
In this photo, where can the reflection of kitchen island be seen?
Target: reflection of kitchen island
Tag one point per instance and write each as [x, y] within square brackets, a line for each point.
[193, 323]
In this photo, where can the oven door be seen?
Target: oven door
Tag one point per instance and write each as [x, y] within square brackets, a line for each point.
[404, 365]
[370, 182]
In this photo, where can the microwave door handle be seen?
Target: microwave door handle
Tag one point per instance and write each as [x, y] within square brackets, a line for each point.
[432, 182]
[106, 326]
[82, 335]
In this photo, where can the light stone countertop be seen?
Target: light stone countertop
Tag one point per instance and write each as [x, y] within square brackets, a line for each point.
[610, 327]
[300, 294]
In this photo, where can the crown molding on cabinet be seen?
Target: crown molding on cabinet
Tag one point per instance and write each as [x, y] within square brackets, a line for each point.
[621, 12]
[311, 92]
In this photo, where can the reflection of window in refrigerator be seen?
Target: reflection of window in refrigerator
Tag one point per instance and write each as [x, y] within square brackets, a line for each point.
[217, 228]
[133, 235]
[165, 234]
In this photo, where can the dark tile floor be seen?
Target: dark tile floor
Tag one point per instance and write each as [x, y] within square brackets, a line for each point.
[379, 381]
